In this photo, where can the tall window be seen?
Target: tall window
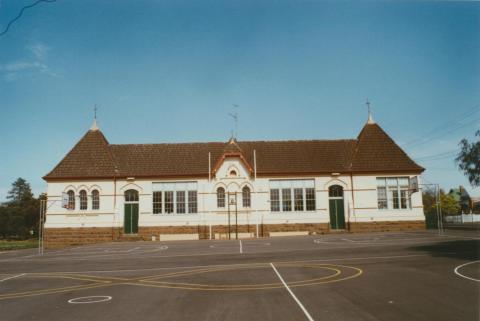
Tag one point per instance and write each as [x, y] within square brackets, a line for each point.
[292, 195]
[393, 193]
[298, 199]
[157, 202]
[246, 197]
[287, 199]
[192, 202]
[71, 200]
[220, 197]
[181, 202]
[310, 199]
[169, 202]
[95, 200]
[274, 200]
[83, 200]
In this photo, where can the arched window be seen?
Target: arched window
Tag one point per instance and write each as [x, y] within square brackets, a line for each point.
[71, 200]
[335, 191]
[233, 173]
[246, 196]
[220, 197]
[95, 200]
[83, 200]
[131, 195]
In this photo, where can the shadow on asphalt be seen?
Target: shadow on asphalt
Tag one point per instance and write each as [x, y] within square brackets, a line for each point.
[461, 249]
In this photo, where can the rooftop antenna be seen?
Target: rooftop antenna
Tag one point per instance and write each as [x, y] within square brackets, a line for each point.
[234, 115]
[94, 125]
[370, 118]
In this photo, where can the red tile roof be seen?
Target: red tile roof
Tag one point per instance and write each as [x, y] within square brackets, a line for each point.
[372, 151]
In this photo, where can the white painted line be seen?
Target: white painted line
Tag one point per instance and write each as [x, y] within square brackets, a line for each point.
[12, 277]
[464, 276]
[135, 248]
[309, 317]
[90, 299]
[241, 247]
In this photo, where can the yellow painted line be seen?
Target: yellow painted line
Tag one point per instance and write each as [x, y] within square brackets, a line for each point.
[51, 291]
[147, 282]
[72, 278]
[206, 287]
[94, 277]
[217, 268]
[337, 272]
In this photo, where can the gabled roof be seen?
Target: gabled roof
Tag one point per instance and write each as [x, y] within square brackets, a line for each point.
[375, 151]
[372, 151]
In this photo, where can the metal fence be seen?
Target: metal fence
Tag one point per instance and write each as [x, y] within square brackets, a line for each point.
[462, 218]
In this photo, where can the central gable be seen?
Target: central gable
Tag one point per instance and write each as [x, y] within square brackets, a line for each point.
[232, 163]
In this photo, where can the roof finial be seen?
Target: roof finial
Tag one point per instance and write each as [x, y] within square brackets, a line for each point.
[94, 125]
[370, 118]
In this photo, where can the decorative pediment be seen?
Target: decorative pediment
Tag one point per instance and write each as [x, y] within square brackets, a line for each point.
[232, 150]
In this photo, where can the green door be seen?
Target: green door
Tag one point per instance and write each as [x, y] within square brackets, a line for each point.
[337, 214]
[131, 218]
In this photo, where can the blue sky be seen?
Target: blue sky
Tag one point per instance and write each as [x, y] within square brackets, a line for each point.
[170, 71]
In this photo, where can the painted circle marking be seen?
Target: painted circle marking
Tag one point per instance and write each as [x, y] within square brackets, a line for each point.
[464, 276]
[336, 276]
[90, 299]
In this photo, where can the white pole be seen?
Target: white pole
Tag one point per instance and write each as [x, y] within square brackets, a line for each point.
[40, 228]
[209, 166]
[255, 163]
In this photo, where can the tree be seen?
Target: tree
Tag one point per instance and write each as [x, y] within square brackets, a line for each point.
[429, 205]
[20, 191]
[468, 159]
[19, 216]
[449, 204]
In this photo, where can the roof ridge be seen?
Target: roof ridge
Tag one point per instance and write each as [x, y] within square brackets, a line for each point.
[241, 142]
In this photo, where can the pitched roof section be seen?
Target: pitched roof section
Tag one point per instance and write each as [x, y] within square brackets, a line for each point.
[89, 158]
[377, 152]
[165, 160]
[299, 157]
[373, 151]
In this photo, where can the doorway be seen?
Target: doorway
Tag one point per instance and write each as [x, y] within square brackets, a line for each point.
[130, 225]
[337, 208]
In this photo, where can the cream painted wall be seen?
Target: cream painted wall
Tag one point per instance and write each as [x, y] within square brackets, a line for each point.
[110, 213]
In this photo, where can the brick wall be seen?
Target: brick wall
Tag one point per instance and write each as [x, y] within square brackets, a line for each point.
[61, 237]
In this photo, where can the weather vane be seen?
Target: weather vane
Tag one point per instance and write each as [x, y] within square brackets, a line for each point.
[234, 115]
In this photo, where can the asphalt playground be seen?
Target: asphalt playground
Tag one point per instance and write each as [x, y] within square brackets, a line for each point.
[420, 275]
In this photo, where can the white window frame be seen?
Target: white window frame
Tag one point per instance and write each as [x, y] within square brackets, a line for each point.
[292, 185]
[398, 187]
[174, 187]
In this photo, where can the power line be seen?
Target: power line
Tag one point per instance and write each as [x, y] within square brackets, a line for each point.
[446, 128]
[21, 13]
[444, 154]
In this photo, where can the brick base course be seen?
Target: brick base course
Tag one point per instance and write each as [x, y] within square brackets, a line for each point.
[62, 237]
